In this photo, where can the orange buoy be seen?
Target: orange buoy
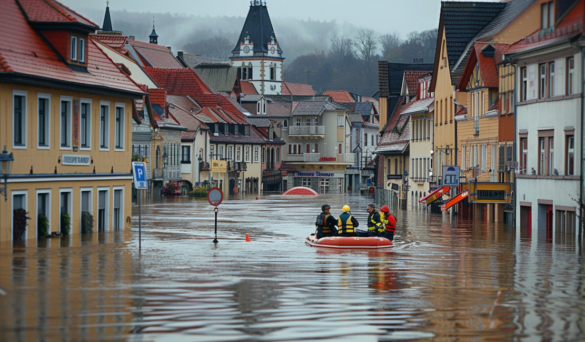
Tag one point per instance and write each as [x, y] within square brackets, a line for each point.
[248, 238]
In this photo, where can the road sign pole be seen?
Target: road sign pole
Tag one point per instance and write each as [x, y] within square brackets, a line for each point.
[215, 240]
[139, 220]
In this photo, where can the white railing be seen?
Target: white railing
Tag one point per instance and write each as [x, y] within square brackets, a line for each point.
[312, 157]
[306, 130]
[295, 158]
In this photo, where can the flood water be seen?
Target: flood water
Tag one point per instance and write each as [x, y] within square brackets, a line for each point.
[440, 282]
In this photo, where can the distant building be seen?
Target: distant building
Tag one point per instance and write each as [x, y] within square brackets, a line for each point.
[257, 54]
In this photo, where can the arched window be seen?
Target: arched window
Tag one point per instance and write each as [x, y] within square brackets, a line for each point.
[285, 123]
[278, 155]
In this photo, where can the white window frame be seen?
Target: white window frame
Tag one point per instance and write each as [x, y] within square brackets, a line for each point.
[70, 191]
[89, 123]
[106, 222]
[570, 76]
[247, 154]
[121, 206]
[47, 119]
[81, 50]
[43, 192]
[73, 49]
[107, 148]
[69, 122]
[256, 154]
[122, 127]
[239, 153]
[24, 119]
[551, 79]
[81, 191]
[340, 120]
[16, 193]
[463, 157]
[285, 124]
[230, 152]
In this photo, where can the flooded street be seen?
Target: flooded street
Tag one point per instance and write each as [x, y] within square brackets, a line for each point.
[439, 282]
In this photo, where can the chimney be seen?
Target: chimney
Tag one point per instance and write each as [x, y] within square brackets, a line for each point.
[169, 48]
[180, 54]
[132, 37]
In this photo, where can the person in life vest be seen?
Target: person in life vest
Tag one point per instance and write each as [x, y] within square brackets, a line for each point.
[347, 223]
[389, 223]
[325, 223]
[375, 227]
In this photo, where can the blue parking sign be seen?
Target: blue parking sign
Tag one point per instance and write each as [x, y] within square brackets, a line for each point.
[140, 182]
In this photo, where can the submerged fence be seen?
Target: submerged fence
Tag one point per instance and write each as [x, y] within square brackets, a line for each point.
[386, 197]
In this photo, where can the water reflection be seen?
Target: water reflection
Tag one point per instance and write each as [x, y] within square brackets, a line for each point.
[440, 281]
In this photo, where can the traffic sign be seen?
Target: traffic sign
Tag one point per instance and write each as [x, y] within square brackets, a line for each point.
[215, 196]
[139, 169]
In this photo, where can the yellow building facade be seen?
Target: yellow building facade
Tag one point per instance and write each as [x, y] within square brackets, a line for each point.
[72, 154]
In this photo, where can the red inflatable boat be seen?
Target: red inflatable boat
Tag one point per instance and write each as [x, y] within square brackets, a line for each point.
[349, 242]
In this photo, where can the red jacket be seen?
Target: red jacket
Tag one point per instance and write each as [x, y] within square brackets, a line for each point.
[390, 222]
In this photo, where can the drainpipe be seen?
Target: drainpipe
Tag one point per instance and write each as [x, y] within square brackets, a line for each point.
[455, 148]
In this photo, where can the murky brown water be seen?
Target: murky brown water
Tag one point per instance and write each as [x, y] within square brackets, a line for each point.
[439, 282]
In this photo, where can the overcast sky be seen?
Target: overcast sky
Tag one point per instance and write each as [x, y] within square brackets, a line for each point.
[383, 16]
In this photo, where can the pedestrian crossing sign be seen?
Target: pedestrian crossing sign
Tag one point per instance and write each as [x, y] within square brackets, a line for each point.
[139, 171]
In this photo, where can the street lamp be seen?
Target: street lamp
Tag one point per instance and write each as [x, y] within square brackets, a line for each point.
[200, 159]
[5, 169]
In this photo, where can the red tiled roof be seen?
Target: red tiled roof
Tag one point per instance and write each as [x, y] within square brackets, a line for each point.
[52, 11]
[248, 88]
[289, 88]
[487, 65]
[116, 42]
[158, 96]
[340, 95]
[495, 106]
[24, 52]
[568, 28]
[462, 111]
[155, 55]
[185, 82]
[411, 77]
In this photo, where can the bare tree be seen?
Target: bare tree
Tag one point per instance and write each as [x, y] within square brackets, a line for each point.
[341, 51]
[216, 47]
[389, 43]
[366, 46]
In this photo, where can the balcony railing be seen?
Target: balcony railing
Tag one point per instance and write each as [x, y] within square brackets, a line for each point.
[321, 158]
[204, 166]
[306, 130]
[233, 166]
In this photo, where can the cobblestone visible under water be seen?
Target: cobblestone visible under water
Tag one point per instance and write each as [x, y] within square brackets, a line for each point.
[439, 281]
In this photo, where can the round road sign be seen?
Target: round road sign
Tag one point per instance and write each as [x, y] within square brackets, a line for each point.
[215, 196]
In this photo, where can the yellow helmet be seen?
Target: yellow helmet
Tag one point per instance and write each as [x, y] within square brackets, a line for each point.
[345, 208]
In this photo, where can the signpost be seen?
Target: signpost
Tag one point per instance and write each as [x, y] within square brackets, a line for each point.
[215, 197]
[140, 183]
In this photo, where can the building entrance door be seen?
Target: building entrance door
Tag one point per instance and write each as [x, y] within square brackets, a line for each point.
[324, 185]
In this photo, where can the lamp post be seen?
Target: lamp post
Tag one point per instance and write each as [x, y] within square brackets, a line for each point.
[5, 169]
[405, 189]
[200, 159]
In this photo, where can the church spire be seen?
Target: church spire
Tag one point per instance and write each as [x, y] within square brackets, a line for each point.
[153, 36]
[107, 26]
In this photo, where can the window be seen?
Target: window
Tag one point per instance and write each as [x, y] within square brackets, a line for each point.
[220, 152]
[316, 148]
[185, 154]
[547, 15]
[44, 206]
[19, 201]
[341, 121]
[365, 139]
[65, 205]
[256, 151]
[65, 125]
[542, 82]
[523, 155]
[278, 154]
[551, 79]
[570, 157]
[551, 164]
[298, 121]
[541, 156]
[238, 153]
[118, 217]
[285, 124]
[463, 157]
[82, 50]
[451, 109]
[74, 49]
[212, 152]
[247, 154]
[119, 129]
[570, 75]
[340, 147]
[43, 121]
[523, 84]
[396, 166]
[308, 148]
[483, 161]
[104, 122]
[307, 182]
[102, 222]
[19, 120]
[85, 125]
[273, 73]
[230, 153]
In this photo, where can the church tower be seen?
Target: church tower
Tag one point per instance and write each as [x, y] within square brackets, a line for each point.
[257, 54]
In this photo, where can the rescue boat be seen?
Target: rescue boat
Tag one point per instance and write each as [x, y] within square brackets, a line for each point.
[349, 242]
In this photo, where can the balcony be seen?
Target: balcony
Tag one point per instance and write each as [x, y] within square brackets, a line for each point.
[306, 131]
[319, 158]
[233, 166]
[204, 166]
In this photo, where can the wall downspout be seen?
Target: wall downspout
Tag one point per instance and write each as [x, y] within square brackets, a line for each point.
[580, 204]
[453, 212]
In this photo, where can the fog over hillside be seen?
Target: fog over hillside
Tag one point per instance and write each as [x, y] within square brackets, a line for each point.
[297, 37]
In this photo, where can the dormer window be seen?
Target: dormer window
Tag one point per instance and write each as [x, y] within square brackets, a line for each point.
[74, 49]
[81, 50]
[547, 15]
